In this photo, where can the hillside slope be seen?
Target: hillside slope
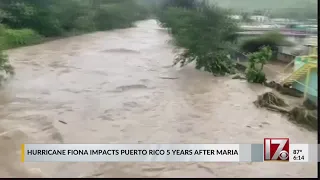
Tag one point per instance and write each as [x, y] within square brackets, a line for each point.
[269, 4]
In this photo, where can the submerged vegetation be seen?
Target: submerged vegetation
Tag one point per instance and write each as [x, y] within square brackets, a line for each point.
[257, 60]
[6, 70]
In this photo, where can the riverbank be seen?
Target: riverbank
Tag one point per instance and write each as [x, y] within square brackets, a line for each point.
[62, 19]
[18, 40]
[298, 111]
[107, 88]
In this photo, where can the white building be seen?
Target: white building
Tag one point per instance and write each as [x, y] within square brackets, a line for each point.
[282, 21]
[260, 19]
[235, 17]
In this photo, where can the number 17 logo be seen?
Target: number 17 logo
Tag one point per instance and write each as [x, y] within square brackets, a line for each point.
[276, 149]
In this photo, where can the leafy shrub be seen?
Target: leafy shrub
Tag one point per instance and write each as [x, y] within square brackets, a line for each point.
[205, 33]
[108, 17]
[257, 60]
[14, 38]
[37, 15]
[254, 76]
[5, 68]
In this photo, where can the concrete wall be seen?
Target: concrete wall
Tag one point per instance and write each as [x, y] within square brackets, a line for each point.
[285, 57]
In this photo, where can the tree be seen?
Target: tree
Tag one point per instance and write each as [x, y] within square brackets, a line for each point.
[206, 35]
[35, 14]
[189, 4]
[271, 39]
[257, 60]
[58, 17]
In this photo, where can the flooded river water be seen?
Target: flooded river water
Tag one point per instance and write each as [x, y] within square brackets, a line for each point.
[112, 87]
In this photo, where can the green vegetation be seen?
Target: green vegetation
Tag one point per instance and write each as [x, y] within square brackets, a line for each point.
[271, 39]
[26, 22]
[257, 60]
[11, 38]
[6, 70]
[204, 32]
[29, 20]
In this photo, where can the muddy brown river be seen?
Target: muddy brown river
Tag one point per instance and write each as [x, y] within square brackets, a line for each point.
[119, 87]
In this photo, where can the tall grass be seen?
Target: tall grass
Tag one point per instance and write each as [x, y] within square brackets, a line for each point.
[11, 38]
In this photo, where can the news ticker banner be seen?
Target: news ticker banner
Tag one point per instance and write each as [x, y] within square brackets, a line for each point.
[163, 153]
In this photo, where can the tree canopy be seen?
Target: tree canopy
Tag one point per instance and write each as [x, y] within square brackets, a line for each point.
[204, 32]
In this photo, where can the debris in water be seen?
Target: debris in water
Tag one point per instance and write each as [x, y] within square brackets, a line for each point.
[62, 122]
[301, 115]
[283, 90]
[310, 105]
[121, 50]
[169, 66]
[130, 87]
[168, 78]
[270, 100]
[240, 67]
[238, 76]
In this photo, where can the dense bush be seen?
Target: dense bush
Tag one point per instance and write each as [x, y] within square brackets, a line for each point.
[58, 17]
[205, 33]
[118, 15]
[272, 39]
[254, 76]
[188, 4]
